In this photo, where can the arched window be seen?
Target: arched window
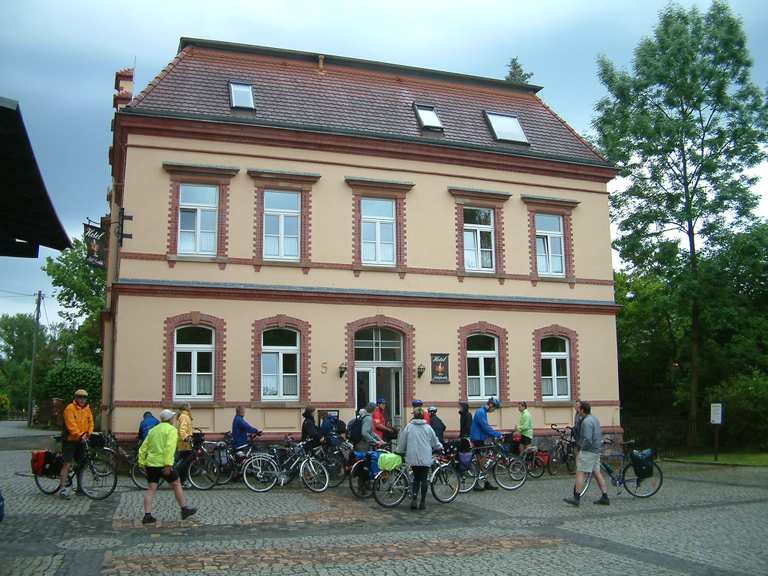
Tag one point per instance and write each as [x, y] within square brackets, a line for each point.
[378, 345]
[482, 366]
[280, 364]
[555, 378]
[193, 363]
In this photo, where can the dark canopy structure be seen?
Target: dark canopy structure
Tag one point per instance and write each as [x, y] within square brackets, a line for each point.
[27, 217]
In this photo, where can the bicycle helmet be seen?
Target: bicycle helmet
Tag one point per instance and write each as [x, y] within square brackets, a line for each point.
[494, 401]
[432, 410]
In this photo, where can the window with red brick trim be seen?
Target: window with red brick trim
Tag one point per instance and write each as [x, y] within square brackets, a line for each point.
[281, 359]
[483, 361]
[550, 234]
[556, 364]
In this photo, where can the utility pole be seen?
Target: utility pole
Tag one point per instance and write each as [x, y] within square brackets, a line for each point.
[34, 357]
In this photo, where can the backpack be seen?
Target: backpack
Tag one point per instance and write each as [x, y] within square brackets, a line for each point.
[355, 430]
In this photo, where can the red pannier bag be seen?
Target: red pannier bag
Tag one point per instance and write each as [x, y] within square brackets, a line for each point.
[38, 462]
[544, 456]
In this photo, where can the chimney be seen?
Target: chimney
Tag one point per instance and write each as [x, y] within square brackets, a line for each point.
[124, 88]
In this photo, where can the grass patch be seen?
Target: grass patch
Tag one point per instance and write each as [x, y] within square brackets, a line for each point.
[744, 458]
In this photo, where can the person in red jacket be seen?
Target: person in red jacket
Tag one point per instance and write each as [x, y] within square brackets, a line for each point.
[380, 427]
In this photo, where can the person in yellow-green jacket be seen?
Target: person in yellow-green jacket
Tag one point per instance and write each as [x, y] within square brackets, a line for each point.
[524, 426]
[156, 455]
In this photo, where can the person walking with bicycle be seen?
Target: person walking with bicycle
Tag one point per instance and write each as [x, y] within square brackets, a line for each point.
[184, 440]
[156, 456]
[241, 429]
[437, 424]
[480, 433]
[417, 442]
[78, 426]
[590, 442]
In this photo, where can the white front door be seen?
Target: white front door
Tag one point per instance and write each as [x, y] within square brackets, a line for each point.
[374, 382]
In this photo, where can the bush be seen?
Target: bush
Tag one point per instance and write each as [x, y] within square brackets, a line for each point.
[745, 404]
[5, 404]
[63, 379]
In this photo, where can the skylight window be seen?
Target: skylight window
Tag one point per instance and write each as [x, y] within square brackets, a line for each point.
[428, 117]
[506, 128]
[241, 95]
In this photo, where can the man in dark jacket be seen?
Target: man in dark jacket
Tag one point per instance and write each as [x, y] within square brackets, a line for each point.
[309, 430]
[437, 424]
[146, 424]
[465, 420]
[241, 429]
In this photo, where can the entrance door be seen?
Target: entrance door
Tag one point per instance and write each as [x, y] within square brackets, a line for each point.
[376, 382]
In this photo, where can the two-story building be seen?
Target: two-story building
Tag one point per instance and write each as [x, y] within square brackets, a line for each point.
[301, 228]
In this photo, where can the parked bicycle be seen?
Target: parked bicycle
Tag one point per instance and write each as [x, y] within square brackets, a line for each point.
[391, 487]
[96, 473]
[362, 472]
[334, 454]
[628, 474]
[508, 471]
[562, 457]
[229, 460]
[282, 464]
[534, 463]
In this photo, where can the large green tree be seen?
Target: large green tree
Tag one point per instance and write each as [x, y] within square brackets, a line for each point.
[683, 126]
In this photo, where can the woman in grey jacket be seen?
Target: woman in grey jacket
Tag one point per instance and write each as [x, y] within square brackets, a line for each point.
[418, 441]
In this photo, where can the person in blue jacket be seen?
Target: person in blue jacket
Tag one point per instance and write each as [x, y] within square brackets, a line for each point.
[479, 434]
[146, 424]
[241, 429]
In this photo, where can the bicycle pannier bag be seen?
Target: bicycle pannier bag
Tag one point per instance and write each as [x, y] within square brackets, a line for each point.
[543, 456]
[355, 430]
[465, 459]
[390, 461]
[38, 462]
[52, 465]
[642, 463]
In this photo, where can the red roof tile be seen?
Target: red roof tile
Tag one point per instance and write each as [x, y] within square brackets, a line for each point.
[351, 96]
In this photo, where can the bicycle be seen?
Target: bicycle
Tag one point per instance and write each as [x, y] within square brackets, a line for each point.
[361, 473]
[508, 471]
[534, 464]
[230, 461]
[263, 470]
[96, 473]
[638, 487]
[391, 487]
[563, 453]
[334, 455]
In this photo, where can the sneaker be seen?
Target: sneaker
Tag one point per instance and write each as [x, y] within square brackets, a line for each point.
[478, 488]
[65, 493]
[187, 512]
[603, 501]
[148, 519]
[572, 501]
[489, 486]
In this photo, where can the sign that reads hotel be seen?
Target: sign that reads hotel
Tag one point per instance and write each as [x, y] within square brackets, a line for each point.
[440, 369]
[95, 245]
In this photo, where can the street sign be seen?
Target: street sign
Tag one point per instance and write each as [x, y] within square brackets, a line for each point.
[715, 413]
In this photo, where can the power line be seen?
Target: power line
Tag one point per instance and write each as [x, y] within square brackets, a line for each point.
[45, 310]
[17, 293]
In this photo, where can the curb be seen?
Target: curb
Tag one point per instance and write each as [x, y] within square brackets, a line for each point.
[713, 463]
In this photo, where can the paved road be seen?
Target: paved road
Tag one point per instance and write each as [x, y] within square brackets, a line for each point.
[18, 429]
[705, 520]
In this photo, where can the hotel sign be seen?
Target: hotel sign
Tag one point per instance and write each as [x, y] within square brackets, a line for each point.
[440, 369]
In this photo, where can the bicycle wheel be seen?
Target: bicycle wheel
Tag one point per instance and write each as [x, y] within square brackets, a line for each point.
[570, 461]
[337, 469]
[225, 471]
[587, 482]
[260, 473]
[468, 478]
[314, 475]
[642, 487]
[510, 473]
[359, 479]
[139, 476]
[535, 467]
[444, 483]
[47, 484]
[203, 472]
[390, 487]
[97, 477]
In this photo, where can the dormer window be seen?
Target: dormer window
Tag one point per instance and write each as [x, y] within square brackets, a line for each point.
[506, 128]
[241, 95]
[427, 116]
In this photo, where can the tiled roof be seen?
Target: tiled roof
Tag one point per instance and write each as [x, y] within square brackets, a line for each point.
[354, 97]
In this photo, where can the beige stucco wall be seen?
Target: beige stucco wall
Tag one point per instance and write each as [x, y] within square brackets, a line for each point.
[139, 356]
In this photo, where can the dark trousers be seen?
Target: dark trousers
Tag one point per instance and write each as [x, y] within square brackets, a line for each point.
[420, 474]
[183, 460]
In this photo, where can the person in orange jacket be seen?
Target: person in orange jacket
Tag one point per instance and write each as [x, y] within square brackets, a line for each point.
[78, 425]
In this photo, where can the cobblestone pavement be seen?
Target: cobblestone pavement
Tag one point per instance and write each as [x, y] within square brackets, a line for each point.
[705, 520]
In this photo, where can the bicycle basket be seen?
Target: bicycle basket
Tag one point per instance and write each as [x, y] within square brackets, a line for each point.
[642, 462]
[390, 461]
[96, 440]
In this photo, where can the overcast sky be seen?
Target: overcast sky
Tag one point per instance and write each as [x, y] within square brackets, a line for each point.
[58, 60]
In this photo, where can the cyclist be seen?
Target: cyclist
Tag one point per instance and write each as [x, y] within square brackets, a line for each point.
[524, 426]
[156, 456]
[310, 433]
[184, 441]
[78, 425]
[437, 424]
[465, 420]
[416, 403]
[590, 442]
[241, 429]
[417, 442]
[480, 433]
[380, 421]
[147, 423]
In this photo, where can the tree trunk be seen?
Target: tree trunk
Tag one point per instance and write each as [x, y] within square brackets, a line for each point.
[693, 406]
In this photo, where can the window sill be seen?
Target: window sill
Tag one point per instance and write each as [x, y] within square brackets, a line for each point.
[555, 403]
[561, 279]
[196, 258]
[357, 268]
[478, 274]
[285, 263]
[277, 403]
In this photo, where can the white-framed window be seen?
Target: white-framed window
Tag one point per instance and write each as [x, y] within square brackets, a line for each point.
[555, 379]
[240, 95]
[193, 363]
[427, 116]
[478, 240]
[282, 217]
[280, 364]
[378, 231]
[482, 366]
[550, 256]
[506, 128]
[198, 215]
[378, 345]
